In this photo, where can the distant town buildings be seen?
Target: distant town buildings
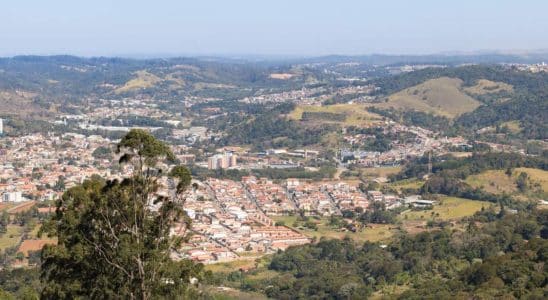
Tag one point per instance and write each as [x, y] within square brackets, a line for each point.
[222, 161]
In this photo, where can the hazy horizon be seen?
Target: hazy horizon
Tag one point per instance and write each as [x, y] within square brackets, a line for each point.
[248, 28]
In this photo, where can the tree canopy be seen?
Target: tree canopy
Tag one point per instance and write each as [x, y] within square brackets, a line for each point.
[113, 236]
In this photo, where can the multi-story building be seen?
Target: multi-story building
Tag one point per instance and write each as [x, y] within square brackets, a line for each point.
[222, 161]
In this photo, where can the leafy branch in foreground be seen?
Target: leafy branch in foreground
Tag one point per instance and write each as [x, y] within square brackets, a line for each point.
[114, 238]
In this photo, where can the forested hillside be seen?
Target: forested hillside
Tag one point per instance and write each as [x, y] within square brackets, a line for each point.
[527, 103]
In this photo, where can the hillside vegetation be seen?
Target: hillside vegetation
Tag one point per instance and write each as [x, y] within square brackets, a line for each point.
[143, 80]
[484, 86]
[344, 114]
[526, 102]
[17, 103]
[442, 96]
[499, 182]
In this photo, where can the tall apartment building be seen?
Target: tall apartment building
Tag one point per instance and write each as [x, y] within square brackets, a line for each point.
[222, 161]
[1, 126]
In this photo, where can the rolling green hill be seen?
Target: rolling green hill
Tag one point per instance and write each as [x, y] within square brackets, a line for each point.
[441, 96]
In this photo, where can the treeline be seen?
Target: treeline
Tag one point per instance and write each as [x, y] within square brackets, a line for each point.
[474, 164]
[70, 79]
[416, 118]
[274, 173]
[502, 257]
[134, 120]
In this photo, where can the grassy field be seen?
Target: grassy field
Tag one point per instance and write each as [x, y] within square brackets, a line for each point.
[497, 182]
[380, 172]
[227, 267]
[493, 181]
[11, 237]
[441, 96]
[536, 175]
[34, 233]
[356, 114]
[371, 233]
[449, 208]
[407, 184]
[225, 293]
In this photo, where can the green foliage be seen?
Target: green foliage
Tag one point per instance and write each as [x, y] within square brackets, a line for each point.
[102, 153]
[19, 283]
[521, 182]
[378, 214]
[270, 129]
[110, 243]
[416, 118]
[489, 261]
[528, 104]
[319, 115]
[324, 172]
[144, 146]
[450, 172]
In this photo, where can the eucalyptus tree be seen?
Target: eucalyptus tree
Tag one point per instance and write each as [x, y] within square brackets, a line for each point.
[115, 237]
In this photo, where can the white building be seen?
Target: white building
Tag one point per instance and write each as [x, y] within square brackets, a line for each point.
[1, 126]
[12, 197]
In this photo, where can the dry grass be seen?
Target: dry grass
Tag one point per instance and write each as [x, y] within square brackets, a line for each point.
[144, 80]
[380, 172]
[21, 207]
[484, 86]
[440, 96]
[407, 184]
[493, 181]
[34, 245]
[535, 175]
[18, 103]
[356, 114]
[5, 206]
[281, 76]
[497, 182]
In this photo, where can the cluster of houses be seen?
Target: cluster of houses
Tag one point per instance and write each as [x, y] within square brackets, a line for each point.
[231, 218]
[424, 141]
[39, 167]
[228, 222]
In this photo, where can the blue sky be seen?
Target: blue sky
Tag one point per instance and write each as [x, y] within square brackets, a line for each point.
[281, 27]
